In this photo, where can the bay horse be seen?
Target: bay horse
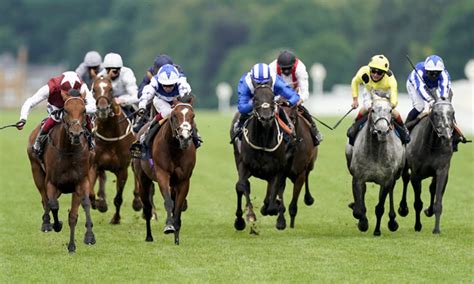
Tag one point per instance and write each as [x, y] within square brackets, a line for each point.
[429, 155]
[113, 133]
[65, 168]
[377, 156]
[301, 161]
[171, 166]
[261, 153]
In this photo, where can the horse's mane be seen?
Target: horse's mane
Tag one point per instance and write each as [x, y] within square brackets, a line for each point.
[187, 98]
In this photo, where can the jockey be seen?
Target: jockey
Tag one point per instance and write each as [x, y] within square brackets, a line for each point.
[124, 83]
[260, 74]
[379, 81]
[293, 71]
[90, 67]
[164, 87]
[52, 91]
[438, 83]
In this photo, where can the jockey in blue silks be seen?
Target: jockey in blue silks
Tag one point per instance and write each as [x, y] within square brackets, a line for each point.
[260, 74]
[436, 82]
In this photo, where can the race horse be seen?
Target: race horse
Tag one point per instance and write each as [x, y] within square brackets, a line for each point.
[377, 156]
[113, 136]
[65, 168]
[300, 162]
[171, 166]
[429, 155]
[260, 153]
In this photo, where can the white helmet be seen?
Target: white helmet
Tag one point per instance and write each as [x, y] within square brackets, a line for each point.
[168, 75]
[92, 59]
[70, 80]
[113, 60]
[434, 63]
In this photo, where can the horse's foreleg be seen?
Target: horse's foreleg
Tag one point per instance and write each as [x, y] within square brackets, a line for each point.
[358, 208]
[281, 221]
[163, 182]
[137, 203]
[273, 187]
[38, 177]
[145, 187]
[241, 187]
[442, 180]
[380, 208]
[418, 204]
[392, 223]
[101, 203]
[308, 198]
[53, 204]
[180, 198]
[92, 180]
[122, 176]
[89, 238]
[77, 196]
[429, 210]
[403, 207]
[293, 208]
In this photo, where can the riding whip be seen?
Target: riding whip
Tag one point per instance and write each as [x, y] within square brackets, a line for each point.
[315, 118]
[130, 115]
[421, 78]
[342, 118]
[6, 126]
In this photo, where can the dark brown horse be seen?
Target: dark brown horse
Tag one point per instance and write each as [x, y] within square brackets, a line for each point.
[113, 133]
[173, 159]
[301, 161]
[65, 169]
[261, 153]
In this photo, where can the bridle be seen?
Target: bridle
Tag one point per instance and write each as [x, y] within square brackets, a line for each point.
[74, 122]
[185, 126]
[444, 124]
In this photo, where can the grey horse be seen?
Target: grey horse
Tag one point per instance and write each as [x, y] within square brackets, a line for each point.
[429, 155]
[377, 156]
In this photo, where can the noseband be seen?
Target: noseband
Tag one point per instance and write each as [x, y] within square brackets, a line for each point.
[184, 126]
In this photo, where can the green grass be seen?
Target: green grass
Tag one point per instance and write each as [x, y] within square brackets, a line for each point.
[325, 246]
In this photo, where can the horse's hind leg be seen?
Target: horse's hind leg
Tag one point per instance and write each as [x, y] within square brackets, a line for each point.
[403, 207]
[38, 177]
[122, 176]
[101, 203]
[281, 221]
[308, 198]
[429, 211]
[145, 185]
[293, 207]
[418, 204]
[442, 180]
[358, 208]
[137, 203]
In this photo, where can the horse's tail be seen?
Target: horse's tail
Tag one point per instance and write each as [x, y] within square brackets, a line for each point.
[308, 198]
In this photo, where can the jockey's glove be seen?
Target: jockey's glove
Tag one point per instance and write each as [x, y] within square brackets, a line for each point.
[20, 124]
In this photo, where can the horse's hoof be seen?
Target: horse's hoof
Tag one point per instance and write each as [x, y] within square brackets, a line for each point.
[115, 220]
[403, 211]
[292, 223]
[428, 212]
[392, 225]
[169, 229]
[176, 241]
[272, 211]
[89, 238]
[149, 239]
[436, 231]
[418, 227]
[264, 210]
[71, 247]
[58, 226]
[137, 204]
[239, 224]
[377, 233]
[281, 225]
[102, 205]
[308, 200]
[363, 225]
[93, 205]
[46, 227]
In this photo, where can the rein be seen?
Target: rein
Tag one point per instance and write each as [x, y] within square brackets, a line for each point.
[113, 139]
[279, 139]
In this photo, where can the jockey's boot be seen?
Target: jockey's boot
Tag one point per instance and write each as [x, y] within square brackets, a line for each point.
[354, 129]
[39, 143]
[315, 134]
[197, 140]
[139, 123]
[89, 134]
[238, 127]
[412, 119]
[401, 129]
[458, 137]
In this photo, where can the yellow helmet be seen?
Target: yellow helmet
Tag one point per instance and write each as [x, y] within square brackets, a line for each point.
[379, 62]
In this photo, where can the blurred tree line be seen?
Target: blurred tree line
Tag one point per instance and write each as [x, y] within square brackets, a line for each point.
[219, 40]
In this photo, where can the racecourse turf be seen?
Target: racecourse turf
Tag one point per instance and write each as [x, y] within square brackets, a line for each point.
[325, 245]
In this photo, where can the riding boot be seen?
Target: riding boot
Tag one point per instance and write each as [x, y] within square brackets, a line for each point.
[412, 119]
[197, 140]
[315, 134]
[39, 143]
[402, 130]
[354, 129]
[238, 127]
[458, 137]
[139, 123]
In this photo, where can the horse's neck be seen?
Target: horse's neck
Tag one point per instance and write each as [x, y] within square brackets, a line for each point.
[263, 136]
[113, 126]
[62, 140]
[167, 136]
[429, 136]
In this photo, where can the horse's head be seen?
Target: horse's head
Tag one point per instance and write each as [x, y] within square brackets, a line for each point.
[102, 90]
[442, 118]
[380, 117]
[182, 123]
[74, 116]
[264, 104]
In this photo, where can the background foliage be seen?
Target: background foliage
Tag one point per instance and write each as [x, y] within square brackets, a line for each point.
[220, 40]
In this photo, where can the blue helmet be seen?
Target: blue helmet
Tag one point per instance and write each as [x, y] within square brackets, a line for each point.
[161, 60]
[168, 75]
[260, 73]
[434, 63]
